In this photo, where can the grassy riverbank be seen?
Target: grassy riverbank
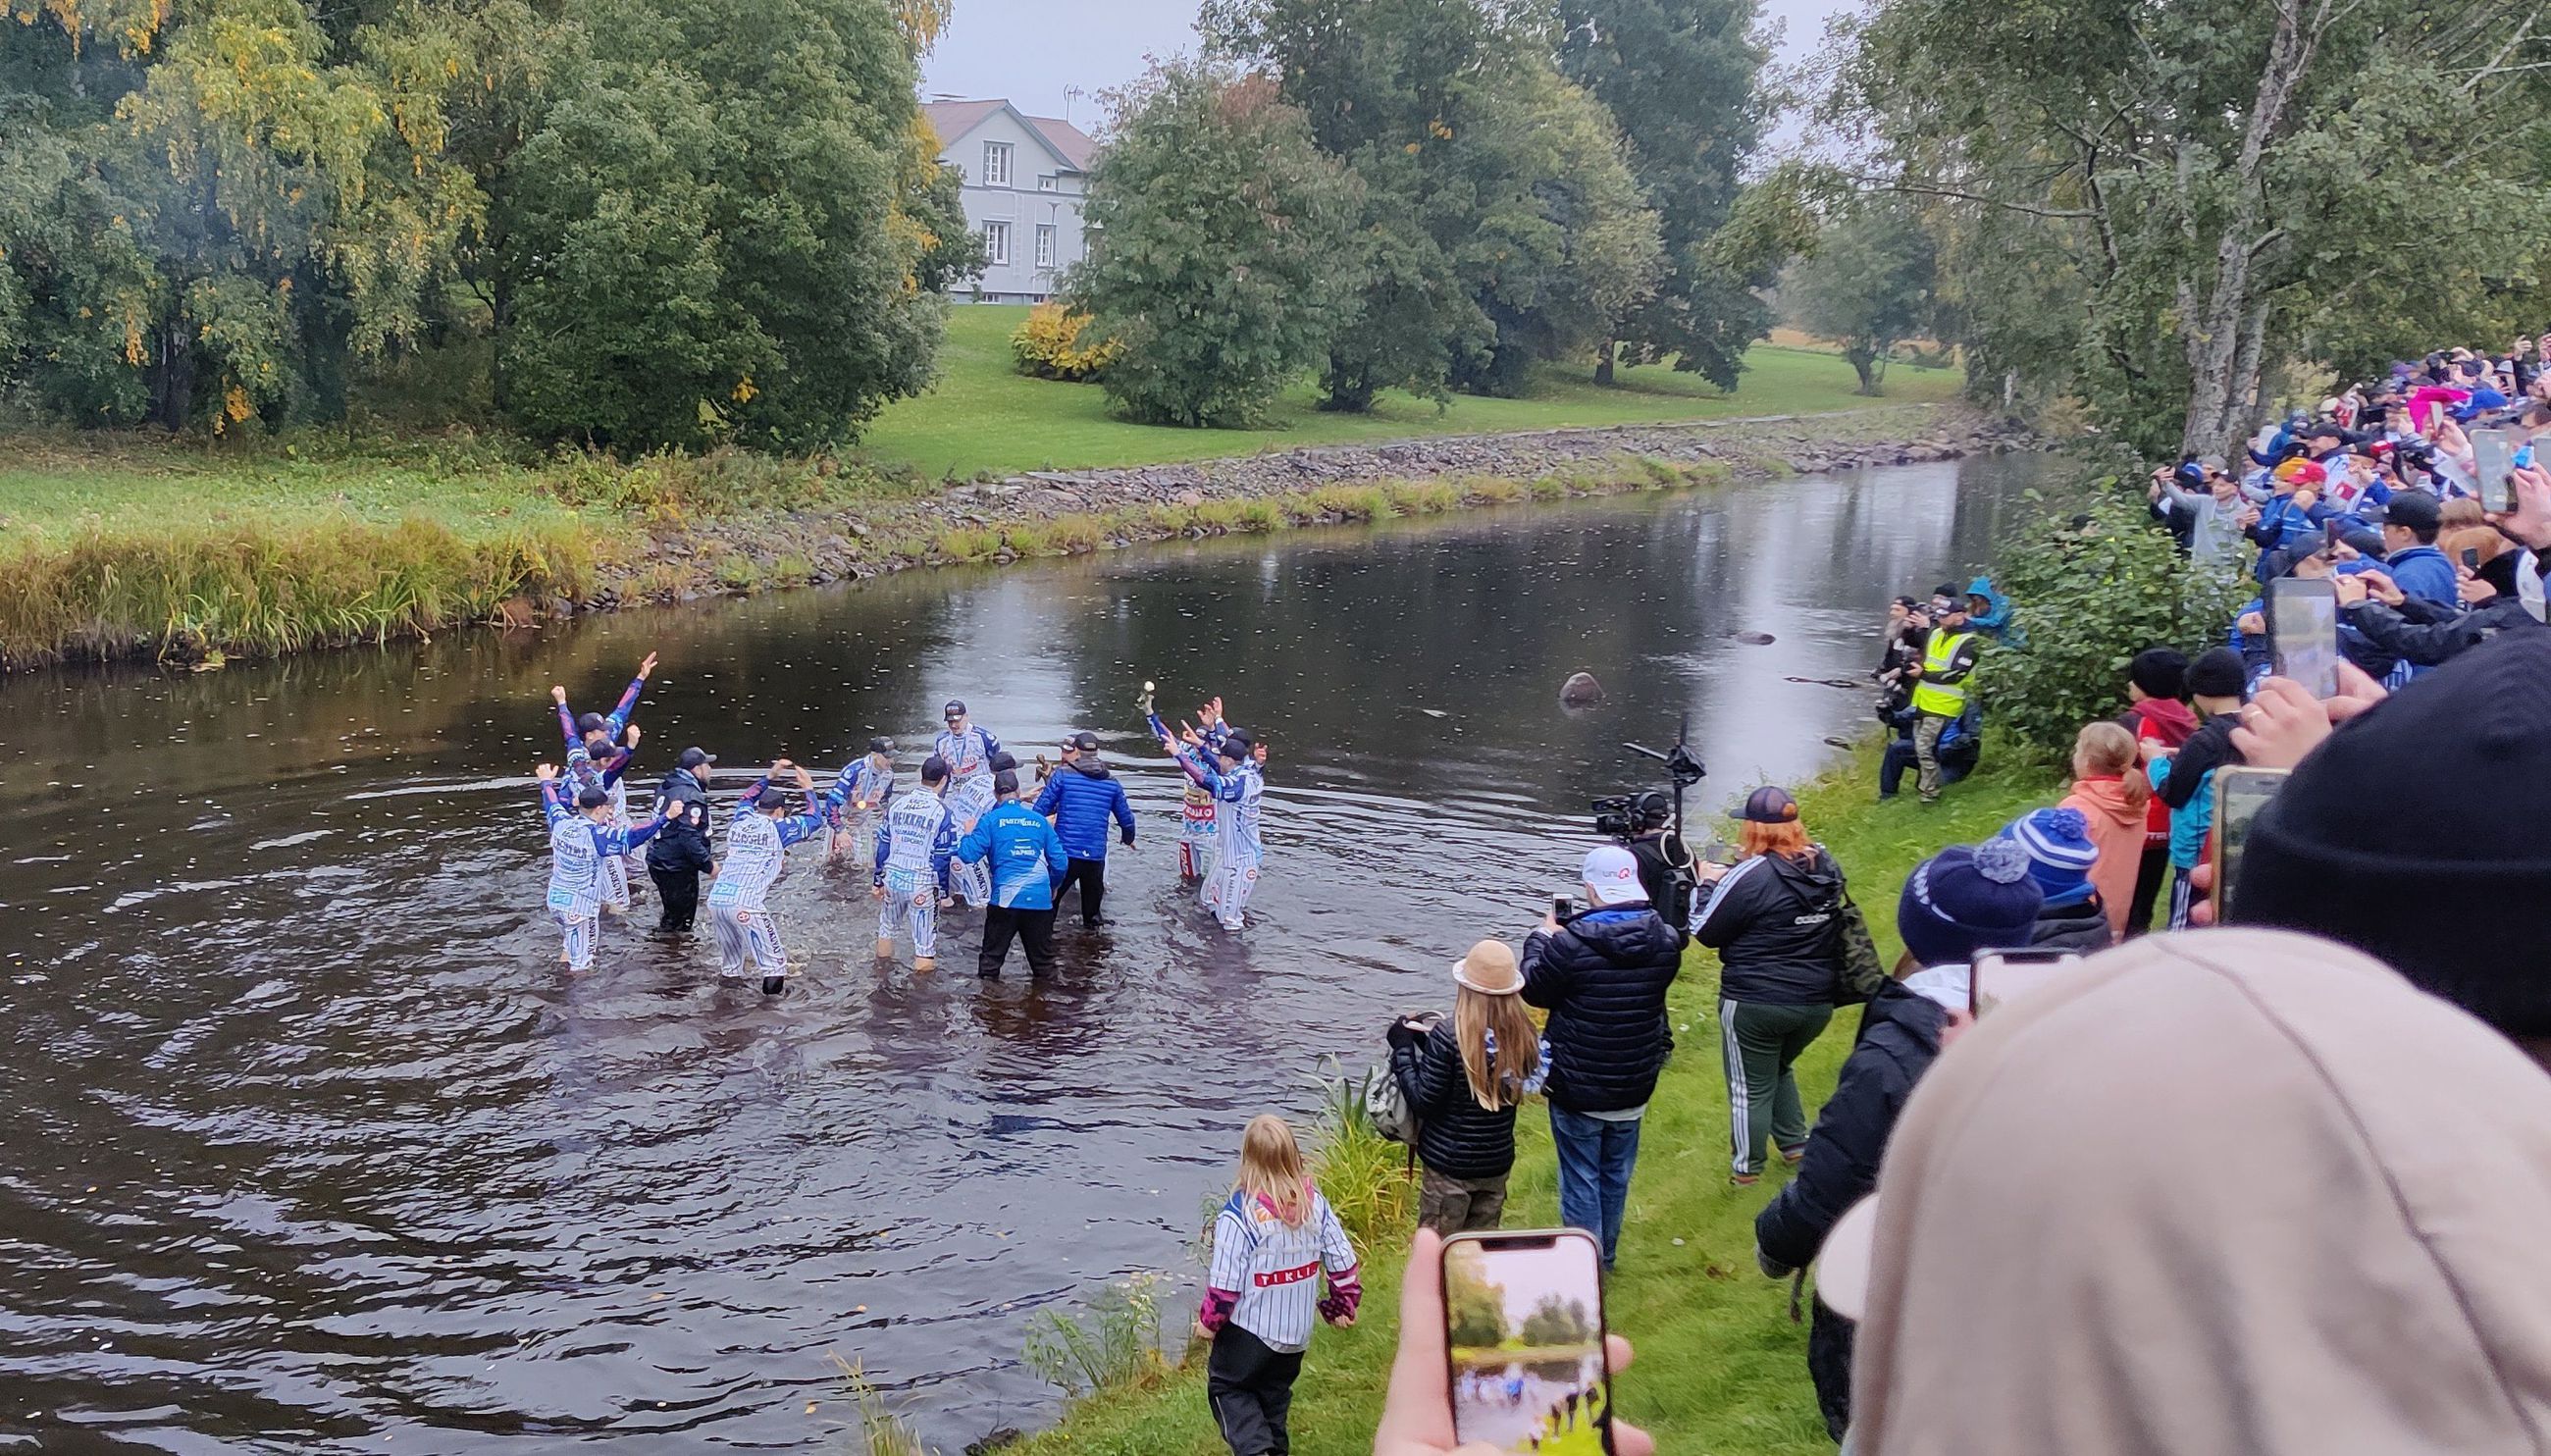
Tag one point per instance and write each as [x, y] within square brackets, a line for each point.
[984, 415]
[1720, 1368]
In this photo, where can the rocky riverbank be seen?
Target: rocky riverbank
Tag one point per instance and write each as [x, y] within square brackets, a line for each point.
[1065, 513]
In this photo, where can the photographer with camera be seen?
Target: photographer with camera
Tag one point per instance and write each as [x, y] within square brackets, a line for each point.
[1645, 826]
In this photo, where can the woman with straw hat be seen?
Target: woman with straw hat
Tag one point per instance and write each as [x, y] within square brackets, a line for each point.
[1463, 1077]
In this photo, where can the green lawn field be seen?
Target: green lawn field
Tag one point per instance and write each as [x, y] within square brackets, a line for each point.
[986, 416]
[1720, 1370]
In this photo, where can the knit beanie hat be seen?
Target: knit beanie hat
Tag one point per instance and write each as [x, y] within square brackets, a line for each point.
[2160, 672]
[2216, 673]
[2060, 853]
[2456, 892]
[1965, 899]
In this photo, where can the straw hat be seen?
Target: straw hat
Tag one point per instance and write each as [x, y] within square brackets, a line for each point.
[1490, 969]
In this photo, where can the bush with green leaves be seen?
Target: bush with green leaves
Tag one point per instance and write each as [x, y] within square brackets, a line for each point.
[2089, 596]
[1221, 256]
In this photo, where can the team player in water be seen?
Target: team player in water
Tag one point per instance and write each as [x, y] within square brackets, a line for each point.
[967, 752]
[1196, 812]
[1227, 770]
[757, 851]
[599, 735]
[582, 839]
[867, 785]
[913, 844]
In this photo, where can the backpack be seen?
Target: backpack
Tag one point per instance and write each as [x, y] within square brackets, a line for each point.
[1858, 971]
[1385, 1107]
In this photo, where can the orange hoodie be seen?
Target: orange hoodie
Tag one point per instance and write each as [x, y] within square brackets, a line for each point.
[2118, 830]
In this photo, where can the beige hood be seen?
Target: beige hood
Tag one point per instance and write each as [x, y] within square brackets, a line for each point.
[2234, 1192]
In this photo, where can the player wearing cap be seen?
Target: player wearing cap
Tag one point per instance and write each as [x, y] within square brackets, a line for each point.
[967, 750]
[865, 784]
[600, 735]
[757, 852]
[680, 854]
[1196, 811]
[1082, 796]
[1228, 771]
[914, 841]
[582, 840]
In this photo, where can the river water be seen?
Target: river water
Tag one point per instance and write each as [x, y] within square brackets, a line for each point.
[313, 1148]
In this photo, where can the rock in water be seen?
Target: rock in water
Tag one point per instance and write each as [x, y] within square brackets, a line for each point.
[1580, 690]
[1755, 639]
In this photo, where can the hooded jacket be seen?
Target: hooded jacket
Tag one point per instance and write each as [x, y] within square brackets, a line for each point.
[2118, 830]
[1899, 1035]
[2080, 927]
[1994, 620]
[2358, 1270]
[1081, 796]
[1456, 1136]
[684, 843]
[1777, 927]
[1602, 976]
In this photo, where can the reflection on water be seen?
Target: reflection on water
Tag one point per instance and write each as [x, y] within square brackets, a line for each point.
[313, 1147]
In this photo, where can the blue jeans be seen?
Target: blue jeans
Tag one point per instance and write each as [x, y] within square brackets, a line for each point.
[1594, 1162]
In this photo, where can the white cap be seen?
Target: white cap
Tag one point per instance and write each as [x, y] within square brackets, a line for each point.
[1613, 875]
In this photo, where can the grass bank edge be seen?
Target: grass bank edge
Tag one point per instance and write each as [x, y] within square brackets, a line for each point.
[1720, 1368]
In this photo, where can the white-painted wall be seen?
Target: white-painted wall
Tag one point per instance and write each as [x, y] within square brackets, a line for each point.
[1023, 205]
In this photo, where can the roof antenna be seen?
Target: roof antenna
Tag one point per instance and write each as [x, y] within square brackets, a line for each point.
[1070, 95]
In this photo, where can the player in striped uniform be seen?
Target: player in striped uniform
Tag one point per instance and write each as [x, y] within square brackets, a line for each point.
[865, 787]
[1271, 1241]
[914, 841]
[582, 840]
[757, 852]
[1229, 772]
[967, 750]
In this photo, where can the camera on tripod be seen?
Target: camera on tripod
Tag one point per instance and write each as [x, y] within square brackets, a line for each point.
[1625, 817]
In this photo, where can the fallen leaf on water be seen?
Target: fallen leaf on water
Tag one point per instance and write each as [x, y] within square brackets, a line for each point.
[810, 1407]
[858, 1309]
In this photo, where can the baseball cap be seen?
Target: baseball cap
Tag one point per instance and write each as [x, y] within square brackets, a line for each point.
[1084, 742]
[1769, 804]
[880, 745]
[954, 708]
[1613, 876]
[1236, 745]
[2415, 509]
[694, 757]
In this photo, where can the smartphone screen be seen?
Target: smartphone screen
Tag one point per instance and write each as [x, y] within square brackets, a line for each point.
[1998, 976]
[1524, 1331]
[2239, 794]
[2493, 458]
[2471, 558]
[2302, 632]
[1562, 907]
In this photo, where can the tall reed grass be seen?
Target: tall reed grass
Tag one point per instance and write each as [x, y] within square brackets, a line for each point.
[1116, 1344]
[874, 1429]
[265, 589]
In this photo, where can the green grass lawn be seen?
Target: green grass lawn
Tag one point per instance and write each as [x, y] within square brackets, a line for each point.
[986, 416]
[138, 483]
[1720, 1368]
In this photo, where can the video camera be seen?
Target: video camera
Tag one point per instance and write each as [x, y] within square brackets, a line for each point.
[1623, 817]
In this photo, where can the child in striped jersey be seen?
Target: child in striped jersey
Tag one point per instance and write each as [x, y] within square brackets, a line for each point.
[1271, 1242]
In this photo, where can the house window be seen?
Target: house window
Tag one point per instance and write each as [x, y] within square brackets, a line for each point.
[1045, 184]
[1045, 244]
[996, 163]
[996, 244]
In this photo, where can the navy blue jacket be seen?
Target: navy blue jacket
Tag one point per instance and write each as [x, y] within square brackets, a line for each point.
[1082, 796]
[1603, 977]
[1900, 1036]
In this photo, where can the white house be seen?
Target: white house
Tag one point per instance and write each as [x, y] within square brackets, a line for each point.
[1026, 177]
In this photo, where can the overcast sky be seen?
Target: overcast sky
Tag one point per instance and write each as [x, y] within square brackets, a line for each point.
[1030, 51]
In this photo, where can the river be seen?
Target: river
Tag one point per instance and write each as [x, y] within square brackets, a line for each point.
[314, 1149]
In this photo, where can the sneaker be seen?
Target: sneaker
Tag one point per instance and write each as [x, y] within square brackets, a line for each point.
[1745, 1179]
[1792, 1155]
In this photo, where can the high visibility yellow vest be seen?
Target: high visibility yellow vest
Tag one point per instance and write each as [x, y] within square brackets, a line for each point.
[1930, 694]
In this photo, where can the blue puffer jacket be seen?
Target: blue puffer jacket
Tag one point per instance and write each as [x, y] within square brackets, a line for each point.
[2423, 570]
[1082, 796]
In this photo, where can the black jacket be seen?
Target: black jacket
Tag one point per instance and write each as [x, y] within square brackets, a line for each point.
[2208, 748]
[1456, 1136]
[1777, 926]
[1899, 1035]
[2429, 643]
[683, 842]
[1603, 978]
[2082, 927]
[1669, 889]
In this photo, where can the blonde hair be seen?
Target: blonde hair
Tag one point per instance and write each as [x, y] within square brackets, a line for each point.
[2483, 539]
[2107, 748]
[1789, 840]
[2462, 512]
[1270, 1167]
[1497, 1083]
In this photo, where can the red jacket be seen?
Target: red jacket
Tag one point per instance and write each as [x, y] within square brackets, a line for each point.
[2169, 722]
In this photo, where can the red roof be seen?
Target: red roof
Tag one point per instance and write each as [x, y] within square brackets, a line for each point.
[954, 119]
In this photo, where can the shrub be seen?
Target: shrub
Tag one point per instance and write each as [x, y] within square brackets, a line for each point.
[1056, 344]
[2088, 598]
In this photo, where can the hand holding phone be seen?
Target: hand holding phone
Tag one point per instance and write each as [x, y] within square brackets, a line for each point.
[2240, 792]
[1996, 977]
[2493, 461]
[1524, 1341]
